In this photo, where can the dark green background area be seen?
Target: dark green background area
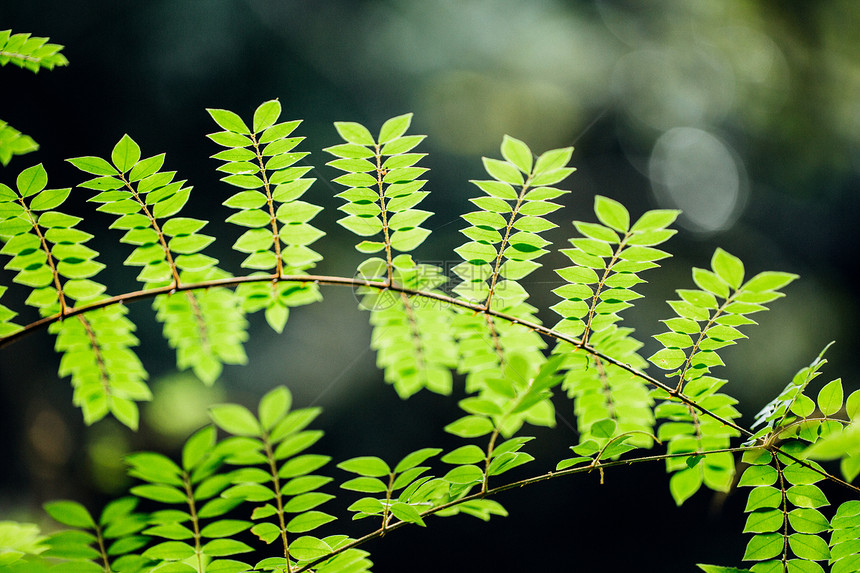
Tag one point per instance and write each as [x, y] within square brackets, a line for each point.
[772, 87]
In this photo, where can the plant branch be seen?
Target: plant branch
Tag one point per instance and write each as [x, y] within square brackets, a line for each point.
[354, 282]
[513, 485]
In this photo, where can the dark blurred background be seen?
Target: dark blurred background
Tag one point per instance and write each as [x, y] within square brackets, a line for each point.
[745, 114]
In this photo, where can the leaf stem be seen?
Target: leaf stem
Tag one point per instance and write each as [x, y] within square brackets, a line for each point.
[279, 263]
[195, 521]
[380, 176]
[504, 243]
[44, 243]
[276, 482]
[174, 271]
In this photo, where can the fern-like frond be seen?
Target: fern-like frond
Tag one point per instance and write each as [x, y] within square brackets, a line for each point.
[504, 243]
[411, 334]
[30, 52]
[192, 522]
[106, 374]
[47, 252]
[141, 196]
[261, 162]
[607, 261]
[50, 256]
[707, 320]
[687, 430]
[147, 201]
[109, 544]
[603, 391]
[383, 483]
[206, 326]
[13, 142]
[383, 190]
[708, 317]
[272, 470]
[784, 518]
[505, 233]
[500, 409]
[383, 187]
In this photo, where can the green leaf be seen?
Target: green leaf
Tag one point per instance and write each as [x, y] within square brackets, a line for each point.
[49, 199]
[654, 220]
[806, 496]
[170, 550]
[611, 213]
[469, 454]
[852, 405]
[769, 281]
[366, 466]
[308, 521]
[502, 171]
[125, 154]
[470, 427]
[668, 358]
[477, 252]
[274, 406]
[174, 531]
[758, 475]
[394, 128]
[307, 547]
[32, 180]
[197, 446]
[518, 153]
[720, 569]
[70, 513]
[302, 465]
[229, 121]
[353, 132]
[553, 160]
[402, 144]
[764, 521]
[268, 532]
[93, 165]
[224, 528]
[154, 467]
[296, 443]
[235, 419]
[365, 485]
[266, 115]
[405, 512]
[224, 547]
[808, 520]
[809, 547]
[683, 484]
[162, 493]
[798, 474]
[497, 189]
[763, 497]
[464, 475]
[763, 546]
[830, 398]
[728, 267]
[415, 458]
[145, 168]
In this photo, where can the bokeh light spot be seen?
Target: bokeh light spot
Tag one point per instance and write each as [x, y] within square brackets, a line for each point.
[692, 170]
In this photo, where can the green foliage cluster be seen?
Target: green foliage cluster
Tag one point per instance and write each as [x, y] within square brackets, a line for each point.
[250, 492]
[33, 54]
